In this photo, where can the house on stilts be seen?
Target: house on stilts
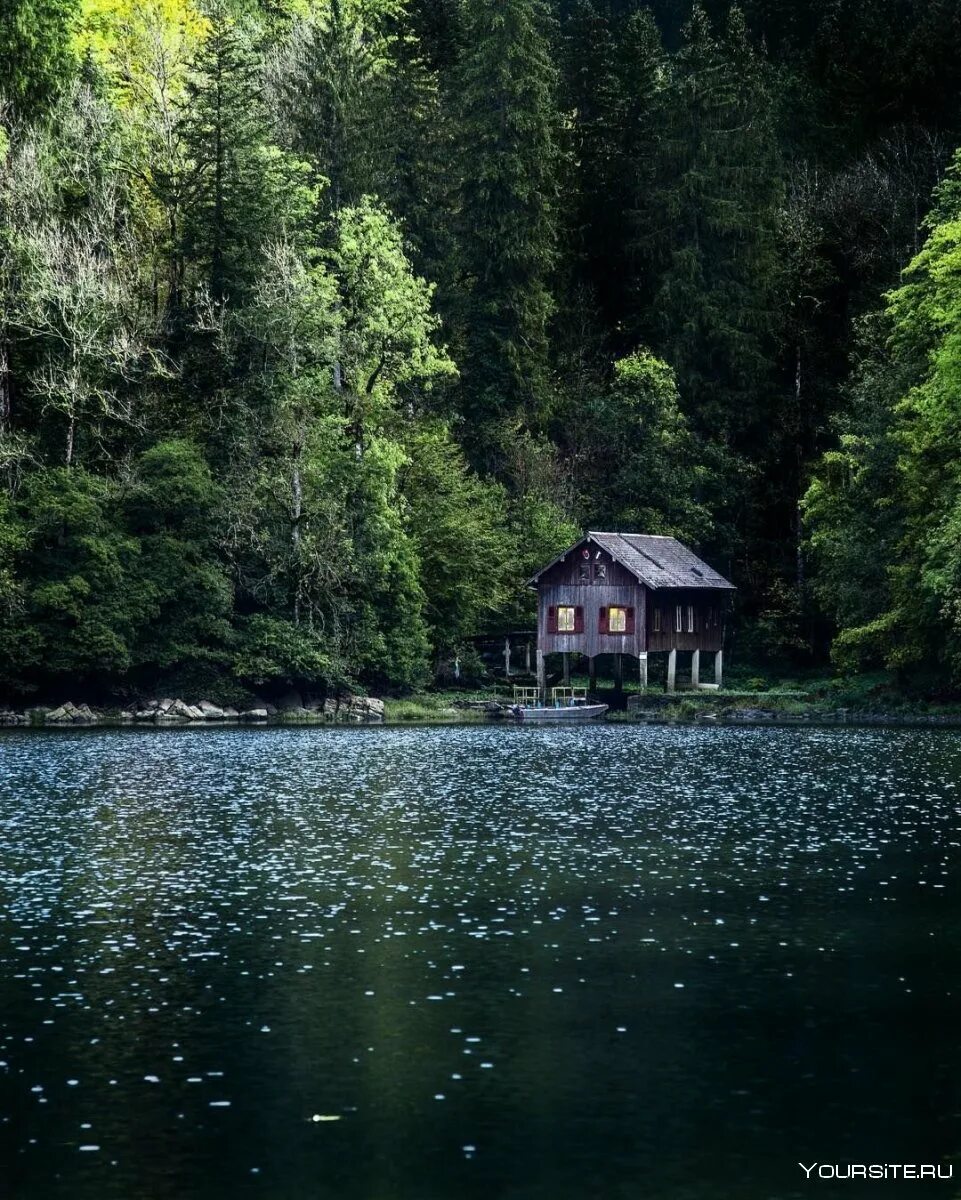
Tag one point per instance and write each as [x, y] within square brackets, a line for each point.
[631, 594]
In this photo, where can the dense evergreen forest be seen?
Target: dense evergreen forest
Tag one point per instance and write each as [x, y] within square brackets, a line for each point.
[324, 322]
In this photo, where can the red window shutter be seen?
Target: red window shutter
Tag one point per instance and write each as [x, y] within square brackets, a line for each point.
[579, 619]
[552, 619]
[629, 621]
[602, 625]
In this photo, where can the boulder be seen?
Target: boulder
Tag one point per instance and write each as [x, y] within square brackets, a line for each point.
[231, 714]
[210, 711]
[163, 706]
[59, 716]
[365, 708]
[254, 714]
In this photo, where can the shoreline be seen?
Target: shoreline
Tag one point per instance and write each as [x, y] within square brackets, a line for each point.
[466, 718]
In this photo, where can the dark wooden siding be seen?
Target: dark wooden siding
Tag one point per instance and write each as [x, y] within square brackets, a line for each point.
[591, 599]
[564, 585]
[708, 605]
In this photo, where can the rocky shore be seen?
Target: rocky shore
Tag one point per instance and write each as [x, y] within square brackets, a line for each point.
[356, 710]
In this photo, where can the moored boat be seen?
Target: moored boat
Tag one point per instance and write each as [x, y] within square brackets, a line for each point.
[566, 704]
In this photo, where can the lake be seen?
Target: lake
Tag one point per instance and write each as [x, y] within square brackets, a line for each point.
[610, 962]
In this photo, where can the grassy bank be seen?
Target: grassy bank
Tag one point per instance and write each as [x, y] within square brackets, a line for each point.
[781, 696]
[441, 706]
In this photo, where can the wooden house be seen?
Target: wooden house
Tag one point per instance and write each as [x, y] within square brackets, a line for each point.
[630, 594]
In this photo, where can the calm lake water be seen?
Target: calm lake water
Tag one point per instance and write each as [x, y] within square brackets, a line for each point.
[529, 964]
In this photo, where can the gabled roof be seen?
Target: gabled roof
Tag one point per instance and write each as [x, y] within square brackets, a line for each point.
[658, 562]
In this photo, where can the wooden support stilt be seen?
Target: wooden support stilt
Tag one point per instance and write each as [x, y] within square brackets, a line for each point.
[527, 659]
[719, 668]
[696, 669]
[619, 672]
[566, 660]
[672, 671]
[592, 674]
[642, 669]
[507, 657]
[541, 674]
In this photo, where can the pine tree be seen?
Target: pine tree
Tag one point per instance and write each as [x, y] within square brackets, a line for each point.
[719, 201]
[507, 157]
[35, 56]
[332, 86]
[243, 188]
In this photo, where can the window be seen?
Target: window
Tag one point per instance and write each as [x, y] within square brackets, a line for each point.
[600, 572]
[584, 573]
[615, 620]
[678, 626]
[690, 618]
[565, 618]
[657, 620]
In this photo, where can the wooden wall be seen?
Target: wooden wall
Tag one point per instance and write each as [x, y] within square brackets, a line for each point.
[704, 637]
[563, 585]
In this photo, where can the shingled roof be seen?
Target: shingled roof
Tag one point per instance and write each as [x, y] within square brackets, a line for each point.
[658, 562]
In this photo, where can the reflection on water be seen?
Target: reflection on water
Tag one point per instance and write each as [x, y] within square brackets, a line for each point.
[418, 964]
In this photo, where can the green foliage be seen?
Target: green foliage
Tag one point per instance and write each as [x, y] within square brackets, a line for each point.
[172, 507]
[897, 469]
[323, 325]
[273, 650]
[507, 130]
[243, 189]
[648, 469]
[721, 163]
[80, 569]
[468, 558]
[35, 51]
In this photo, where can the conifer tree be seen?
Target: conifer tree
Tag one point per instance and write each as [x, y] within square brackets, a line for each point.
[719, 208]
[35, 55]
[243, 188]
[507, 157]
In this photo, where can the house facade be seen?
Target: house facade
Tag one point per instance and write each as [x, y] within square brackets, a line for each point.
[631, 594]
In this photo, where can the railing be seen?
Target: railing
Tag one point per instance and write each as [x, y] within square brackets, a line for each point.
[527, 697]
[568, 697]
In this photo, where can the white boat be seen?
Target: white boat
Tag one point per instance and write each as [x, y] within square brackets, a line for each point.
[566, 704]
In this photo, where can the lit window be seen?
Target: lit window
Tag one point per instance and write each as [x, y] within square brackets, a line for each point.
[678, 626]
[657, 620]
[565, 620]
[690, 618]
[617, 620]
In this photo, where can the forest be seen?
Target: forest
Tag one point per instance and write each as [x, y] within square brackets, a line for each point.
[323, 323]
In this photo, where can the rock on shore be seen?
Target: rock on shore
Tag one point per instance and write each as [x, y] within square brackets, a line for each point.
[292, 711]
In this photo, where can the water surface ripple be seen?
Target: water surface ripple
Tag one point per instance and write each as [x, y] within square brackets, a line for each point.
[420, 964]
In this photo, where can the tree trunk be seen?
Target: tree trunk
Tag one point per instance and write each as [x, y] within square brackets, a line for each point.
[4, 386]
[296, 514]
[798, 520]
